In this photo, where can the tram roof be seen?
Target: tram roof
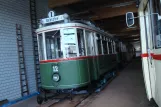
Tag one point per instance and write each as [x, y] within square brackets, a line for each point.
[73, 24]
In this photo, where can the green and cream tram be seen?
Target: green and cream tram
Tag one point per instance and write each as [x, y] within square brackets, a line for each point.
[73, 54]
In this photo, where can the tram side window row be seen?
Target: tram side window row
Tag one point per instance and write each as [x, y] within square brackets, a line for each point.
[72, 42]
[105, 46]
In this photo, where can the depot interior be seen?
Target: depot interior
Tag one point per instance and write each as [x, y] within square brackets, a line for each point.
[109, 15]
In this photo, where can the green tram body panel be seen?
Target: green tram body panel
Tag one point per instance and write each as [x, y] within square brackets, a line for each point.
[76, 73]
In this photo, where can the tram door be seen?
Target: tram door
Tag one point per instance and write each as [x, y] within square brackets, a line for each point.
[149, 47]
[91, 51]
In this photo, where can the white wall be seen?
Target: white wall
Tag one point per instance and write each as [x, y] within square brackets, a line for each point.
[12, 12]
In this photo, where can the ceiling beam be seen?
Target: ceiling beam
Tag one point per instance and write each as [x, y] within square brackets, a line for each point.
[125, 32]
[109, 12]
[127, 36]
[59, 3]
[90, 5]
[118, 19]
[131, 38]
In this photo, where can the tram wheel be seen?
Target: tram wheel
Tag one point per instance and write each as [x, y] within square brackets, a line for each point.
[40, 99]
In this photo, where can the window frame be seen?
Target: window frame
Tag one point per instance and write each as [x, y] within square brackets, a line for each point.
[41, 52]
[101, 38]
[100, 43]
[107, 46]
[44, 43]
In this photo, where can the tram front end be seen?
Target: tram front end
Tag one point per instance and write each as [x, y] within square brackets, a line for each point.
[61, 67]
[67, 74]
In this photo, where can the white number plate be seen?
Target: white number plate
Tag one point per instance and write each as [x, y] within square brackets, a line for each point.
[55, 68]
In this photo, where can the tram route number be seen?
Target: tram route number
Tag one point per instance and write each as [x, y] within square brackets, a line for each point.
[55, 68]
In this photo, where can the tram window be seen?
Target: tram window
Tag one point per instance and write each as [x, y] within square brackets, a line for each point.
[110, 47]
[99, 44]
[81, 44]
[89, 42]
[117, 47]
[69, 41]
[114, 48]
[53, 45]
[41, 47]
[104, 43]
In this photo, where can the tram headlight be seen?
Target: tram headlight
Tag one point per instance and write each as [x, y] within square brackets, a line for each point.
[56, 77]
[66, 16]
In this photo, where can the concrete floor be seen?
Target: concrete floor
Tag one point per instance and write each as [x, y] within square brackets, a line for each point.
[126, 90]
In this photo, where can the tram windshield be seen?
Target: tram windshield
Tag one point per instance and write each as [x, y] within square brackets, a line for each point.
[53, 45]
[50, 45]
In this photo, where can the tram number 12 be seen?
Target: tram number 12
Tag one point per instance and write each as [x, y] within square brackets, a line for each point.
[55, 68]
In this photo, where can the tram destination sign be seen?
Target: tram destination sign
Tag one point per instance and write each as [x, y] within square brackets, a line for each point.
[52, 19]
